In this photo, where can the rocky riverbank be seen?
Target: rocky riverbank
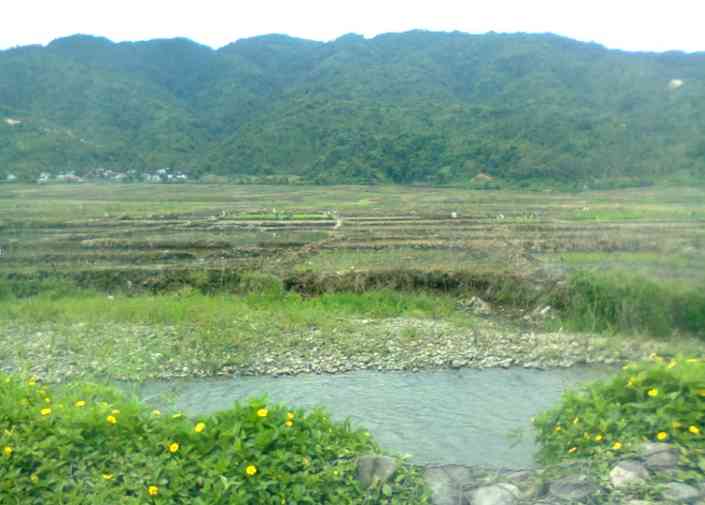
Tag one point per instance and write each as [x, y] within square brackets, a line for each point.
[657, 473]
[57, 353]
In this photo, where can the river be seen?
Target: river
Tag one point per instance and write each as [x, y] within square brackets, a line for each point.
[451, 416]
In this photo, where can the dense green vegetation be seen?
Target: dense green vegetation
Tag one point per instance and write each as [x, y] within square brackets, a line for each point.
[90, 444]
[627, 303]
[412, 107]
[662, 400]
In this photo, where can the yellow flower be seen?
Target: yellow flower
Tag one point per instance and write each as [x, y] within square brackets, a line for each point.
[290, 416]
[107, 476]
[80, 403]
[262, 412]
[173, 447]
[598, 437]
[34, 478]
[572, 450]
[700, 392]
[653, 392]
[32, 381]
[153, 490]
[557, 429]
[694, 430]
[662, 435]
[111, 419]
[7, 451]
[199, 427]
[45, 412]
[251, 470]
[289, 424]
[156, 413]
[617, 446]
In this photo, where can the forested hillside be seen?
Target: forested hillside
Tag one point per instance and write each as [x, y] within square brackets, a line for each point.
[413, 107]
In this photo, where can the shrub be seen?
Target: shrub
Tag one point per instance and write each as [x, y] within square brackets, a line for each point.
[631, 304]
[652, 401]
[90, 444]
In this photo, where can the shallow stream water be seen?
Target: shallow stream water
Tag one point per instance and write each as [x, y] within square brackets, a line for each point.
[452, 416]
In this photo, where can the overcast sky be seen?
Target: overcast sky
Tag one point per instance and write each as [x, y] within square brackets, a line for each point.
[625, 24]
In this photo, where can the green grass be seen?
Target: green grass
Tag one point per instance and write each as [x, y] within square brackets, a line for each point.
[283, 310]
[618, 302]
[89, 444]
[635, 258]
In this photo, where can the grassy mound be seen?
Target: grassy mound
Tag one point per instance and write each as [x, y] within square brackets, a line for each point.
[90, 444]
[659, 401]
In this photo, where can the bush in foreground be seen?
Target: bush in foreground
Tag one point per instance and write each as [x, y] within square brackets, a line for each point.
[90, 444]
[657, 401]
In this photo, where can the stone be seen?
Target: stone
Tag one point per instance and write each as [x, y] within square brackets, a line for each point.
[458, 363]
[679, 492]
[519, 476]
[650, 448]
[628, 473]
[664, 460]
[479, 306]
[496, 494]
[462, 476]
[375, 469]
[573, 488]
[444, 491]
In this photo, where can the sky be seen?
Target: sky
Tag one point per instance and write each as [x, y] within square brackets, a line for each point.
[634, 25]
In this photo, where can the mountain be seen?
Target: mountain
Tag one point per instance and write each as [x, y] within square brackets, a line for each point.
[415, 107]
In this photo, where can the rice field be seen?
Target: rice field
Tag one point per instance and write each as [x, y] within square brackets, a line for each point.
[288, 229]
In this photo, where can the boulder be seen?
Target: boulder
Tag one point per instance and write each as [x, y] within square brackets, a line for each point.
[496, 494]
[573, 488]
[374, 469]
[650, 448]
[444, 490]
[628, 473]
[664, 460]
[681, 493]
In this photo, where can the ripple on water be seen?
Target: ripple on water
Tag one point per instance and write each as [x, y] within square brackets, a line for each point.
[451, 416]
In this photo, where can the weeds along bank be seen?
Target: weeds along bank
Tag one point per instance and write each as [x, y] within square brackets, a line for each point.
[613, 302]
[636, 436]
[252, 324]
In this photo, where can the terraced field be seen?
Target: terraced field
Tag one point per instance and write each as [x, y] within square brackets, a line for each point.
[83, 228]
